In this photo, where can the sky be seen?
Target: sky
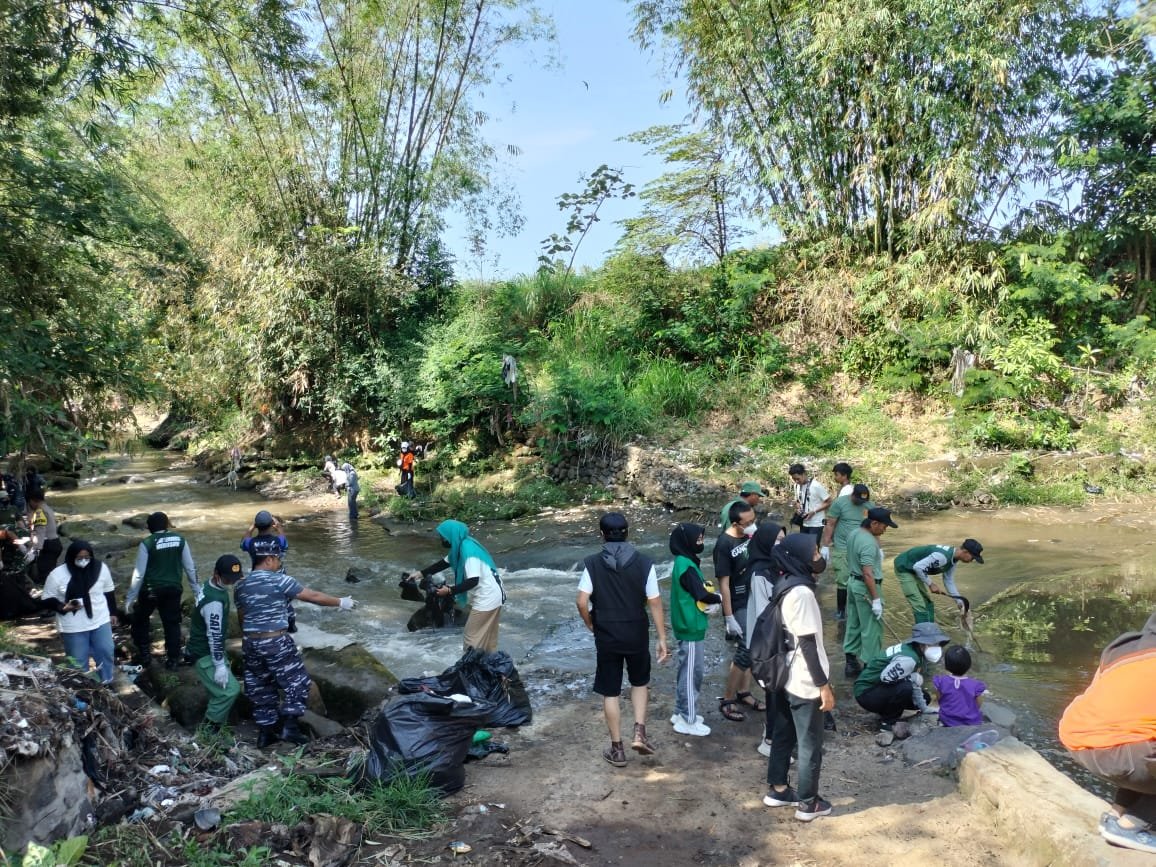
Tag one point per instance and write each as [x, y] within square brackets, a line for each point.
[567, 121]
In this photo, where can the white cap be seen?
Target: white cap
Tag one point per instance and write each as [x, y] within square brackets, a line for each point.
[405, 446]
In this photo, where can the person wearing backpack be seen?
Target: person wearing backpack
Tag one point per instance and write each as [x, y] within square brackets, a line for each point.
[691, 601]
[800, 703]
[764, 573]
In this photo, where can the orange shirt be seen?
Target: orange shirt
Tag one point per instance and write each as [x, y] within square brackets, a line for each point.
[1118, 708]
[407, 462]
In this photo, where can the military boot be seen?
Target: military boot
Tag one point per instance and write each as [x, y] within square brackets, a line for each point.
[291, 732]
[267, 736]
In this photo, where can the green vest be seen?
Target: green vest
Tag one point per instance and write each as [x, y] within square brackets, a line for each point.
[164, 568]
[870, 675]
[686, 621]
[198, 645]
[906, 561]
[849, 516]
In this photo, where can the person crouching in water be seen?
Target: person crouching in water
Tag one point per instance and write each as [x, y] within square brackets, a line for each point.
[272, 660]
[690, 603]
[474, 569]
[208, 628]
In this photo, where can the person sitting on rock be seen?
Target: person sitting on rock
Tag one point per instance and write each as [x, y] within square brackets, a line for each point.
[1110, 729]
[892, 682]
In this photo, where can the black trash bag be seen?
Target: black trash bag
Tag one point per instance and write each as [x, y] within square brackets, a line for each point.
[409, 589]
[425, 618]
[16, 599]
[424, 734]
[489, 677]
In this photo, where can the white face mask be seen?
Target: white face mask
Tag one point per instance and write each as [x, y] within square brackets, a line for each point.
[82, 563]
[749, 531]
[933, 654]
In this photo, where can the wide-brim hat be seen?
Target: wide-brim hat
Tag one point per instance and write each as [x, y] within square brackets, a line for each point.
[928, 634]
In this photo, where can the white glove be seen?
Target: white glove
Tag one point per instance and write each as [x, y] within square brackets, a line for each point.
[415, 575]
[346, 603]
[916, 678]
[877, 607]
[733, 627]
[29, 556]
[713, 609]
[198, 593]
[221, 675]
[399, 462]
[825, 553]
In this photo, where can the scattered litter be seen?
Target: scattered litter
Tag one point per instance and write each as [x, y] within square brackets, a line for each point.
[141, 815]
[460, 848]
[498, 806]
[160, 770]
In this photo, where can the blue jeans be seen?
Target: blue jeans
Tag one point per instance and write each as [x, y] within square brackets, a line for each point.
[797, 720]
[95, 644]
[689, 682]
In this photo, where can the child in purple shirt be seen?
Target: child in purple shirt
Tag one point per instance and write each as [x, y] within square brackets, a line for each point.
[959, 696]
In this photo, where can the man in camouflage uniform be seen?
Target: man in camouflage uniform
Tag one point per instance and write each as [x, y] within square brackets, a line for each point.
[272, 661]
[156, 586]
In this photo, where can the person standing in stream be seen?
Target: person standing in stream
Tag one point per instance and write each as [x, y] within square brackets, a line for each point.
[690, 603]
[916, 567]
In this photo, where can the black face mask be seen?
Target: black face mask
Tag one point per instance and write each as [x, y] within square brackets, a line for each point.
[697, 547]
[818, 566]
[855, 501]
[445, 543]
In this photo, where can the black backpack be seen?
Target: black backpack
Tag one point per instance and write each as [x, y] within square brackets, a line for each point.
[770, 643]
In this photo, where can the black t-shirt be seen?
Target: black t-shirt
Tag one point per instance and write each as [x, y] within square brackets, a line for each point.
[733, 560]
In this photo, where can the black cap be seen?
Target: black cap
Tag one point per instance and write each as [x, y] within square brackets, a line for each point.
[228, 566]
[883, 516]
[861, 490]
[613, 527]
[974, 548]
[263, 520]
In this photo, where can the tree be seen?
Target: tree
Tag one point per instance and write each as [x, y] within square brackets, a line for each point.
[603, 184]
[894, 120]
[691, 208]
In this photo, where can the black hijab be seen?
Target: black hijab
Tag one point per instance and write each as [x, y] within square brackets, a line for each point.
[762, 550]
[684, 540]
[794, 554]
[80, 581]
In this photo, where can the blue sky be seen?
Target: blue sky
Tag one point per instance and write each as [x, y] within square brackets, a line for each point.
[566, 121]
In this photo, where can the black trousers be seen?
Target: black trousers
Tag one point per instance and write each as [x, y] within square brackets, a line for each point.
[889, 700]
[166, 600]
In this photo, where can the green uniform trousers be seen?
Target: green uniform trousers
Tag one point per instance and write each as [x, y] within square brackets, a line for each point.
[220, 700]
[918, 596]
[864, 635]
[839, 565]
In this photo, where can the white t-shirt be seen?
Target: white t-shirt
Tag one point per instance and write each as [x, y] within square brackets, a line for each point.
[807, 497]
[585, 585]
[488, 594]
[801, 616]
[56, 585]
[847, 490]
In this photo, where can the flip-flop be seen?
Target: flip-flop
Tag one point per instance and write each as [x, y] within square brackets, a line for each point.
[754, 704]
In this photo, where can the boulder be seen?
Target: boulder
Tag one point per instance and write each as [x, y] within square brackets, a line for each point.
[138, 521]
[1002, 716]
[86, 529]
[941, 745]
[53, 802]
[351, 680]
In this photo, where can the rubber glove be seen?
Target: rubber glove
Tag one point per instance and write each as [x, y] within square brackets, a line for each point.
[733, 627]
[825, 553]
[916, 678]
[347, 603]
[198, 593]
[29, 556]
[712, 609]
[877, 607]
[221, 675]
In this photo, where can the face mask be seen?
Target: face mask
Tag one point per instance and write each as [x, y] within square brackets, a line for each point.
[749, 531]
[445, 544]
[817, 566]
[697, 547]
[82, 562]
[933, 654]
[855, 501]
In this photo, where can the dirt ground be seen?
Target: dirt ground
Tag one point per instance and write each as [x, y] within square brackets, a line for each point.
[699, 800]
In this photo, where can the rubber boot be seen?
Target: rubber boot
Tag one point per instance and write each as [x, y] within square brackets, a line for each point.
[291, 733]
[267, 736]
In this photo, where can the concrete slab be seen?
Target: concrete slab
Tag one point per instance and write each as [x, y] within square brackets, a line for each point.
[1054, 820]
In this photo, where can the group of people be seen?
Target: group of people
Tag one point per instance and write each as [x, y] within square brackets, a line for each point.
[82, 595]
[757, 566]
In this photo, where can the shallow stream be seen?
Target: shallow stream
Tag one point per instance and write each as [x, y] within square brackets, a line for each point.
[1057, 584]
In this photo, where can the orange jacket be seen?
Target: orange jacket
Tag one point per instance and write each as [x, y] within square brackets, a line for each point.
[1119, 707]
[407, 462]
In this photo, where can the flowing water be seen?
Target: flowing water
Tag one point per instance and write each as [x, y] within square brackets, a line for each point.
[1057, 584]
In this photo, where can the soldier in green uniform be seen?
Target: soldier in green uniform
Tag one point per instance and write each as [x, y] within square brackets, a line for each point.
[916, 567]
[864, 635]
[156, 586]
[843, 518]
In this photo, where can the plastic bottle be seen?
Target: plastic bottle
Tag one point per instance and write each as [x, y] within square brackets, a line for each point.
[980, 740]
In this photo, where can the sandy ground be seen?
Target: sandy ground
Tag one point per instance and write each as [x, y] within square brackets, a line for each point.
[699, 800]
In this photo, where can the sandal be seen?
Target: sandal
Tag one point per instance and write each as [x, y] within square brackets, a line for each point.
[748, 700]
[726, 706]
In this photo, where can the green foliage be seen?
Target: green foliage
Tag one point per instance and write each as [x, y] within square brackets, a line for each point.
[65, 853]
[603, 184]
[1006, 428]
[672, 389]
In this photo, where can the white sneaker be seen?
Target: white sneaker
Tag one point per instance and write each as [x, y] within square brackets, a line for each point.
[696, 728]
[675, 717]
[765, 748]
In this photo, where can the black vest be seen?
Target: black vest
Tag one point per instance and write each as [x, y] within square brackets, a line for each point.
[619, 603]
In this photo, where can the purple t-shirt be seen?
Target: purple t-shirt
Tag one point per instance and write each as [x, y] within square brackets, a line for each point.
[957, 700]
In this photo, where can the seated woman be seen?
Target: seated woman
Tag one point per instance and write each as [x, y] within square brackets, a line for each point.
[1111, 730]
[81, 593]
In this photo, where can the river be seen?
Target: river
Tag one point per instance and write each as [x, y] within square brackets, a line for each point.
[1077, 578]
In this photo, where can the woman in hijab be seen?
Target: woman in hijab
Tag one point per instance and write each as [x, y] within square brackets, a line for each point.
[690, 603]
[764, 570]
[81, 593]
[473, 569]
